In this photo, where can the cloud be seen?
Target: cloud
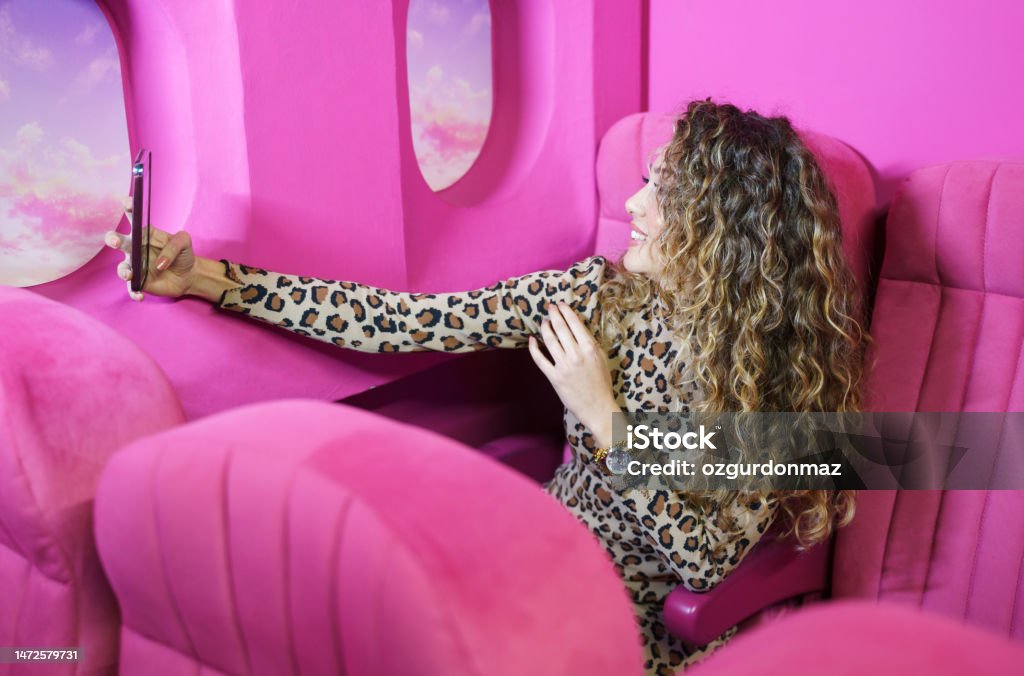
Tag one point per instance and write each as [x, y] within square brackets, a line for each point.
[98, 70]
[56, 201]
[478, 21]
[88, 34]
[449, 95]
[464, 92]
[81, 156]
[414, 38]
[29, 134]
[40, 165]
[445, 150]
[438, 13]
[65, 214]
[5, 91]
[452, 138]
[20, 48]
[449, 124]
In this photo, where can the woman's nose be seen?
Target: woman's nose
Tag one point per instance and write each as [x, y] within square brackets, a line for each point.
[631, 208]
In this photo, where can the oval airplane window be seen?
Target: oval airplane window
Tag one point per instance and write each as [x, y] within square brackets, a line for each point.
[64, 155]
[448, 55]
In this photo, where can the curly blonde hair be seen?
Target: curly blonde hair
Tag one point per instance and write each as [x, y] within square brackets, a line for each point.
[754, 278]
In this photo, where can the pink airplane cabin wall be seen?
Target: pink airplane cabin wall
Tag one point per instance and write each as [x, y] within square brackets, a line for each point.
[906, 84]
[280, 136]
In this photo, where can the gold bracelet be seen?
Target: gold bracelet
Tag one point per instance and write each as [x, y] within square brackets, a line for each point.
[601, 453]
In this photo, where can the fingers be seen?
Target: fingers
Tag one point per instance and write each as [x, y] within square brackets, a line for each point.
[116, 240]
[135, 295]
[551, 341]
[178, 241]
[542, 362]
[123, 243]
[570, 346]
[124, 270]
[556, 315]
[579, 330]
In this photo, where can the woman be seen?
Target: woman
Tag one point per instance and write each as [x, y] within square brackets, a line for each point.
[732, 296]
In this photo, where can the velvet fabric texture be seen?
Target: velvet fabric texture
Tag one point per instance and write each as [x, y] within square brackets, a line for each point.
[853, 638]
[72, 392]
[949, 322]
[303, 537]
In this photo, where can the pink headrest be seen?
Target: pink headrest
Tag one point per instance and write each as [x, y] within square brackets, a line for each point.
[949, 315]
[960, 226]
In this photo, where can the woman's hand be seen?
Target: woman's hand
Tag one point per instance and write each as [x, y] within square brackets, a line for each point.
[172, 262]
[579, 371]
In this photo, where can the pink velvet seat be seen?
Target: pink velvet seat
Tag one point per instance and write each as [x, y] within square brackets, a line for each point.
[853, 638]
[72, 392]
[949, 324]
[305, 537]
[624, 152]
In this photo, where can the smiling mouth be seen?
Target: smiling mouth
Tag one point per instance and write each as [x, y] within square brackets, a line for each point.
[637, 236]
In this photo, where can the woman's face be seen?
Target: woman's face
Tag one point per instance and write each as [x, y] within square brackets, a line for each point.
[647, 224]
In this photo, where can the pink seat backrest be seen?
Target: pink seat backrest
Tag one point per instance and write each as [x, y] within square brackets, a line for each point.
[72, 391]
[949, 322]
[855, 638]
[303, 537]
[627, 146]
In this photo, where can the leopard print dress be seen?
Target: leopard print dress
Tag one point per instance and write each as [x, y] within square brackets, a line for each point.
[655, 539]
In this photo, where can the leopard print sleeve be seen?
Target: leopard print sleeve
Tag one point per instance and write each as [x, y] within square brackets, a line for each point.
[373, 319]
[699, 548]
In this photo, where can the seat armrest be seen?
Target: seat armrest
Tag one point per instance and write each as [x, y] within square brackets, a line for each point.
[772, 572]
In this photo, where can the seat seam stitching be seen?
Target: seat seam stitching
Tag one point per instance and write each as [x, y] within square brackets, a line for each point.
[229, 457]
[287, 548]
[161, 559]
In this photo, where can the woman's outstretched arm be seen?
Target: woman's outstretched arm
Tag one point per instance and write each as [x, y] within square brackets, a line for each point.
[373, 319]
[363, 317]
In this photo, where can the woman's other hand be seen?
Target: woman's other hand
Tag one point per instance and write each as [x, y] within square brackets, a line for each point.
[172, 262]
[578, 370]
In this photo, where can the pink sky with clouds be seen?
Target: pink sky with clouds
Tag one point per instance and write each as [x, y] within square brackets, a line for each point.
[64, 157]
[449, 63]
